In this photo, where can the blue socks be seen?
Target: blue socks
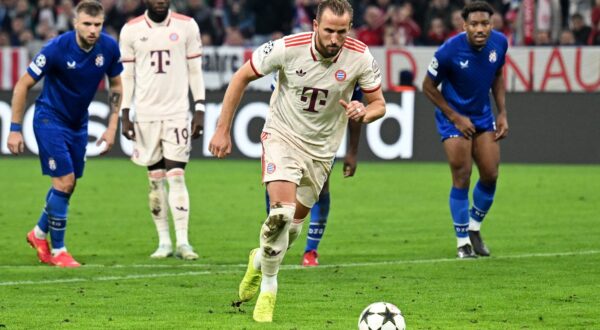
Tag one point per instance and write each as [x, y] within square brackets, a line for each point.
[459, 207]
[318, 220]
[483, 197]
[43, 221]
[56, 210]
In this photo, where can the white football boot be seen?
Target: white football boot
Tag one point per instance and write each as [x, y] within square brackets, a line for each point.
[186, 252]
[163, 251]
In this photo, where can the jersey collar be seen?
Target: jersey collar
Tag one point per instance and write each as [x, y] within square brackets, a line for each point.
[317, 57]
[153, 24]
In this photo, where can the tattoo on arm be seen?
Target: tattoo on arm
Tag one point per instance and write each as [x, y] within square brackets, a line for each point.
[114, 99]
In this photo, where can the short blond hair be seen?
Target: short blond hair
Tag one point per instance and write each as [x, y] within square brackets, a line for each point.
[90, 7]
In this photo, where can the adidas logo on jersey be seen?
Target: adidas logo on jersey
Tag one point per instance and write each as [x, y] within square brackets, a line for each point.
[300, 73]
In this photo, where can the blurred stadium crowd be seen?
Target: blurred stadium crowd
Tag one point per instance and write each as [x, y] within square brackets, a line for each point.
[390, 23]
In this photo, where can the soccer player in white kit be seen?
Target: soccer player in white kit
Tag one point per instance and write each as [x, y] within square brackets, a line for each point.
[162, 55]
[309, 112]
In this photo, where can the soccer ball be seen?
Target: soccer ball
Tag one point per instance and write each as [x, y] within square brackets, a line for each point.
[381, 316]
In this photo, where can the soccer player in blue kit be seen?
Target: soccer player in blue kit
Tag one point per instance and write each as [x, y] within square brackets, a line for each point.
[468, 66]
[73, 63]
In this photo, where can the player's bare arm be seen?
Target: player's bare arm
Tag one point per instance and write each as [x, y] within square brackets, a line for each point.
[19, 98]
[220, 143]
[354, 130]
[499, 93]
[198, 92]
[357, 111]
[128, 77]
[114, 102]
[462, 123]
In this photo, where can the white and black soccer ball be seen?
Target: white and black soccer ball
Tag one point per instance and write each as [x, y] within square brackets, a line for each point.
[381, 316]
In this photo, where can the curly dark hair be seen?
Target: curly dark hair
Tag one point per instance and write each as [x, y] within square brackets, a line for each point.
[476, 6]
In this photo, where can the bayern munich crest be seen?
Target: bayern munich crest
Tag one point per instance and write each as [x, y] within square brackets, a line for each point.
[493, 56]
[174, 36]
[271, 168]
[99, 60]
[340, 75]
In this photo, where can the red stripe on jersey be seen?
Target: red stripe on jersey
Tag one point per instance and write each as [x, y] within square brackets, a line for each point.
[356, 41]
[313, 54]
[371, 90]
[180, 16]
[298, 36]
[298, 43]
[299, 40]
[254, 69]
[355, 45]
[194, 56]
[149, 25]
[354, 48]
[15, 66]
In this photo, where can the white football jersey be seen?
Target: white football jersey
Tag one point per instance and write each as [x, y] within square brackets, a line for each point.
[305, 108]
[160, 53]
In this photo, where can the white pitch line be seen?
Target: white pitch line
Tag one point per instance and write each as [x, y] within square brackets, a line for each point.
[236, 268]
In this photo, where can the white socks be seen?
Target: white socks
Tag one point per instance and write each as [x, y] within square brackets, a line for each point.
[295, 230]
[269, 283]
[179, 202]
[158, 205]
[460, 241]
[474, 225]
[39, 234]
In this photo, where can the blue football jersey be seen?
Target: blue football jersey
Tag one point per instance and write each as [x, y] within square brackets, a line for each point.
[467, 74]
[72, 76]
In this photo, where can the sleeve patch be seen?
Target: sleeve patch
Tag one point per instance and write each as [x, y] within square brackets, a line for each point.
[433, 66]
[35, 68]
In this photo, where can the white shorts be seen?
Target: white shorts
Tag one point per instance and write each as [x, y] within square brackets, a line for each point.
[154, 140]
[283, 162]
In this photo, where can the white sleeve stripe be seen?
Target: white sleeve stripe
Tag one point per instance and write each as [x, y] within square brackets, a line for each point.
[35, 68]
[432, 71]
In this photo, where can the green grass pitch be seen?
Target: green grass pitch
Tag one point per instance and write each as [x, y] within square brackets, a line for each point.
[389, 238]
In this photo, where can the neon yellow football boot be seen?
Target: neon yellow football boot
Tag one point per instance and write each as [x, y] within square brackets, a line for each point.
[251, 281]
[265, 304]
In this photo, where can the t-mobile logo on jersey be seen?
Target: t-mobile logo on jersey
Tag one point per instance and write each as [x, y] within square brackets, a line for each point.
[314, 96]
[160, 60]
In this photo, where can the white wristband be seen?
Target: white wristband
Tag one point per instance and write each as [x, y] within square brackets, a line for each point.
[199, 107]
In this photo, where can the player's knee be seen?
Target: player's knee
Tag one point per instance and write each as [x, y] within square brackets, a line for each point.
[488, 179]
[176, 177]
[65, 184]
[279, 217]
[461, 175]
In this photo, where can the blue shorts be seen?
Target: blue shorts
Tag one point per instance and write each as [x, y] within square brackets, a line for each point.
[446, 128]
[61, 148]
